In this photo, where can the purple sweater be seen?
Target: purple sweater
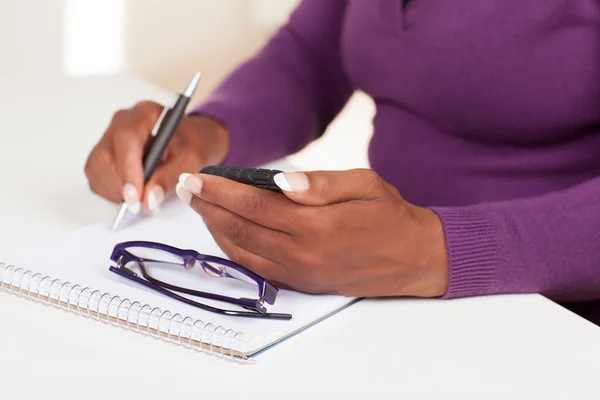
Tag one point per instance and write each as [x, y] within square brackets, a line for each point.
[488, 112]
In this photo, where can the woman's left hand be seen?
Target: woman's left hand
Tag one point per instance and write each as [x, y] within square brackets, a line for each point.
[338, 232]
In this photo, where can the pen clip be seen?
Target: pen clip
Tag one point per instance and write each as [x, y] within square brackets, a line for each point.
[159, 121]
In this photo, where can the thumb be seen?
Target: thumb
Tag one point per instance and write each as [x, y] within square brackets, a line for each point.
[319, 188]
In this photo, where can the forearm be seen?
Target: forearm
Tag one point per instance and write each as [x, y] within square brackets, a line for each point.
[546, 245]
[285, 96]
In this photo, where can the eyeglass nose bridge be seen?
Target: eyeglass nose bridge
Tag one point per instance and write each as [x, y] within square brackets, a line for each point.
[189, 263]
[214, 271]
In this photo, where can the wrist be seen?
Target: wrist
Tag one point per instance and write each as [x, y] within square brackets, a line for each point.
[432, 253]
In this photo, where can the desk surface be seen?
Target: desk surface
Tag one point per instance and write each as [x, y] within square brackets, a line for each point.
[492, 347]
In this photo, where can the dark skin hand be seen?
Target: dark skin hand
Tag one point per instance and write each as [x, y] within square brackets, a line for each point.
[339, 232]
[343, 232]
[114, 167]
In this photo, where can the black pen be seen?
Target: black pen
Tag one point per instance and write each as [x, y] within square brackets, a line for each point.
[163, 131]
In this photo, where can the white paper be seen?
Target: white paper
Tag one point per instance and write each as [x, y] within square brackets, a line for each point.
[83, 257]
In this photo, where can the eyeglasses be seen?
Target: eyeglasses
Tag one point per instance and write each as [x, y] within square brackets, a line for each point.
[167, 270]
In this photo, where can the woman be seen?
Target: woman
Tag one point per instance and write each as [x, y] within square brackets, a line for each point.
[485, 155]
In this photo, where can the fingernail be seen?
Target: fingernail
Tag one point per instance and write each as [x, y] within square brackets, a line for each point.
[155, 198]
[183, 194]
[191, 183]
[131, 197]
[292, 181]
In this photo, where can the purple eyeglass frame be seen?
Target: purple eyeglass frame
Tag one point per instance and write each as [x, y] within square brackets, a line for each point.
[267, 293]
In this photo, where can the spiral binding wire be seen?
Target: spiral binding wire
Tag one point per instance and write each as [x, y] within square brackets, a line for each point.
[113, 310]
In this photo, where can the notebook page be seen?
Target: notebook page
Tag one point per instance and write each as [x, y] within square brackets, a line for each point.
[82, 257]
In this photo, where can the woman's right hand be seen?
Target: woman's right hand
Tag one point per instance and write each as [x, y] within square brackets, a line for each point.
[114, 167]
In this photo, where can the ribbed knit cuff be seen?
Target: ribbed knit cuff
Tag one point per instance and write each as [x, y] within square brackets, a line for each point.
[472, 251]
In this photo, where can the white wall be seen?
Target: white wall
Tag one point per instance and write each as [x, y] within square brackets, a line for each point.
[159, 39]
[31, 36]
[167, 44]
[164, 42]
[271, 13]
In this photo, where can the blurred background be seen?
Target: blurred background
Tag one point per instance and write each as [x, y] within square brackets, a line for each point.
[163, 42]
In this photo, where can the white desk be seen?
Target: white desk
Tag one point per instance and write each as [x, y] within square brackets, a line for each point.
[495, 347]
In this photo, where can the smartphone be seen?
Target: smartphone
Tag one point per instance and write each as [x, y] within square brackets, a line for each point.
[258, 177]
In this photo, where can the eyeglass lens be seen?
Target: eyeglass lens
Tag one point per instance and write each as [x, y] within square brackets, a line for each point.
[212, 277]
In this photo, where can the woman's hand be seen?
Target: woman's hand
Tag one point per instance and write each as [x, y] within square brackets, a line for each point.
[345, 232]
[114, 167]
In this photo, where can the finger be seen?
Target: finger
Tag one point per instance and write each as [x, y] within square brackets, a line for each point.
[101, 173]
[262, 241]
[319, 188]
[261, 266]
[105, 186]
[131, 132]
[167, 174]
[263, 207]
[165, 177]
[130, 174]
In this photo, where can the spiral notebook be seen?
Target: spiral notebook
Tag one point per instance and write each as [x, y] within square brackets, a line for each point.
[71, 273]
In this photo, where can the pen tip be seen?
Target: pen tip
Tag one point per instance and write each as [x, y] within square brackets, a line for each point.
[191, 87]
[119, 217]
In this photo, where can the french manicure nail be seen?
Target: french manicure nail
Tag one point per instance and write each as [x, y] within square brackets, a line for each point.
[183, 194]
[131, 197]
[292, 181]
[191, 183]
[155, 198]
